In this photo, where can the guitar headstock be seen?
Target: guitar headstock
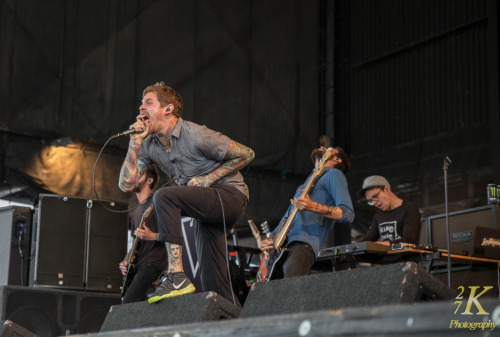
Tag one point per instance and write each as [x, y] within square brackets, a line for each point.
[265, 228]
[253, 227]
[321, 164]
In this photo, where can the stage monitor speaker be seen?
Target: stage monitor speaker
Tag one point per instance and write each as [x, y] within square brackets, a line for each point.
[427, 319]
[200, 307]
[15, 241]
[396, 283]
[78, 243]
[462, 227]
[11, 329]
[51, 312]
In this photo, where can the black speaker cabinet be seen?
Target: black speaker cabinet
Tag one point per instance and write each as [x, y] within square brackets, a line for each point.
[200, 307]
[462, 226]
[49, 312]
[15, 241]
[388, 284]
[78, 243]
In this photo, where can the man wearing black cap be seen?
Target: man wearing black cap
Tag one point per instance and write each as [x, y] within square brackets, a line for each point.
[396, 220]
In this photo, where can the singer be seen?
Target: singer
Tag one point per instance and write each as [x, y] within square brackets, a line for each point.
[205, 164]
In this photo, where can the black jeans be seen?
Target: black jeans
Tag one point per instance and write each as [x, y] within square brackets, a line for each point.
[143, 280]
[203, 204]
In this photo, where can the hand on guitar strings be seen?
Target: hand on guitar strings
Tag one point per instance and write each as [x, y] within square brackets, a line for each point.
[267, 244]
[303, 203]
[145, 234]
[123, 267]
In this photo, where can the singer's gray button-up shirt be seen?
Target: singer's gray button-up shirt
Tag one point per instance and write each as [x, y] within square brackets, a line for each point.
[196, 151]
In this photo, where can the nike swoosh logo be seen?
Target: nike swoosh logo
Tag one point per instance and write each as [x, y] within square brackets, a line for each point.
[177, 286]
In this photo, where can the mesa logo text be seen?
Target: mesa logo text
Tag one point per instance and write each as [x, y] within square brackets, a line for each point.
[472, 307]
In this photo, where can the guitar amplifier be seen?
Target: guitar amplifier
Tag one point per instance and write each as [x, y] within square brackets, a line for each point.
[462, 225]
[78, 243]
[487, 243]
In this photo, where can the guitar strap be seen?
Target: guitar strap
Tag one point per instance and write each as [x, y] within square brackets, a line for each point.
[314, 185]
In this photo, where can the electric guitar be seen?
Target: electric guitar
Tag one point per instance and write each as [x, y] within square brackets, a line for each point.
[270, 262]
[127, 278]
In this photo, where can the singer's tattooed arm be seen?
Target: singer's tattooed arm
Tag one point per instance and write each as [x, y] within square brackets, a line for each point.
[132, 168]
[237, 157]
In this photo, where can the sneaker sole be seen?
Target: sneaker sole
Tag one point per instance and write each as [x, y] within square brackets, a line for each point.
[188, 290]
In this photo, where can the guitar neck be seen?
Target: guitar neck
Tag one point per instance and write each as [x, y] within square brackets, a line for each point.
[147, 212]
[131, 258]
[280, 237]
[282, 232]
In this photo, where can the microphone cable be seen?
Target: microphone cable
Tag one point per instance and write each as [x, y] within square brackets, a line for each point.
[95, 190]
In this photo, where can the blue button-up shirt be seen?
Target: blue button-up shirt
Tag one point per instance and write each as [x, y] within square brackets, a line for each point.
[312, 228]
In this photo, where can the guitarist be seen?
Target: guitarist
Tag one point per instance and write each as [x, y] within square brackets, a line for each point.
[150, 255]
[328, 203]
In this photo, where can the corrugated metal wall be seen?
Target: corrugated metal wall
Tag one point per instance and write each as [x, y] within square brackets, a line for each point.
[418, 69]
[417, 84]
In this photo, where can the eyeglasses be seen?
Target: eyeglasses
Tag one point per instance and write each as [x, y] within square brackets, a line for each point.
[374, 198]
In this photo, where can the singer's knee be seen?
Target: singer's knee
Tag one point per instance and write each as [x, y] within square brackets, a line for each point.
[164, 196]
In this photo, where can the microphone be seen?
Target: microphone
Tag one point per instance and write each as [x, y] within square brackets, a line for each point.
[127, 132]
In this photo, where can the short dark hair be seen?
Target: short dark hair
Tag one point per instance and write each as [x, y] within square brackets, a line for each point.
[166, 95]
[152, 172]
[344, 166]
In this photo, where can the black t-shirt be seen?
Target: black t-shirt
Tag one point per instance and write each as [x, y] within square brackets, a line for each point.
[148, 252]
[401, 224]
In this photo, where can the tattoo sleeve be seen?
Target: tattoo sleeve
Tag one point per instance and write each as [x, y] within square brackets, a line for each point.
[132, 168]
[237, 157]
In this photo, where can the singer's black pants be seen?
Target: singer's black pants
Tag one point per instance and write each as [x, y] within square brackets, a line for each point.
[203, 204]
